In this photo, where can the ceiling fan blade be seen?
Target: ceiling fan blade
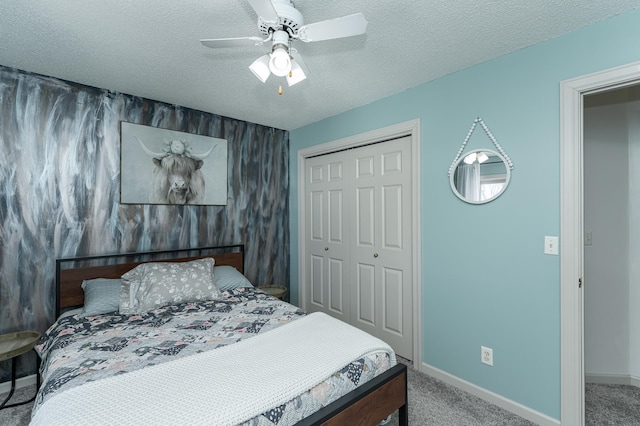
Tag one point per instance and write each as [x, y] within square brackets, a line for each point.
[265, 10]
[347, 26]
[216, 43]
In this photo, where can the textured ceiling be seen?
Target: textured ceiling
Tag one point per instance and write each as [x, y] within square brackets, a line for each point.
[150, 48]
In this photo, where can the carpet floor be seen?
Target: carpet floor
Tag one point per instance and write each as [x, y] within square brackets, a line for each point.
[432, 402]
[609, 405]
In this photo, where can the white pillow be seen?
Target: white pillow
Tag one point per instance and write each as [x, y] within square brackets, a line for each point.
[152, 285]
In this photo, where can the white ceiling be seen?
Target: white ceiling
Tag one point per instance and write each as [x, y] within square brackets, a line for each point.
[150, 48]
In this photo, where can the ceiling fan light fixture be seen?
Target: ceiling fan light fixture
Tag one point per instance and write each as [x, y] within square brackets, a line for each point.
[296, 75]
[260, 68]
[470, 159]
[280, 62]
[476, 157]
[280, 23]
[482, 157]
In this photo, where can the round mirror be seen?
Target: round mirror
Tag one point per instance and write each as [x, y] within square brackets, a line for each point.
[480, 176]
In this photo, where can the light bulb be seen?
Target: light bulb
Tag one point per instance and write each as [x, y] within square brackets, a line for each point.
[280, 62]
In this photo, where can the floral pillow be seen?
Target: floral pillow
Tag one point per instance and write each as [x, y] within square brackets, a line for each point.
[152, 285]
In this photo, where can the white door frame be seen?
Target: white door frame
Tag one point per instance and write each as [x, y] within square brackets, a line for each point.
[409, 128]
[571, 229]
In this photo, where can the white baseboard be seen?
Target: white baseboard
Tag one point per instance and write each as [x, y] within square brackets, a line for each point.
[612, 379]
[20, 383]
[493, 398]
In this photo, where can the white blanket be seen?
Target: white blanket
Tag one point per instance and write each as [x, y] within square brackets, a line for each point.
[226, 386]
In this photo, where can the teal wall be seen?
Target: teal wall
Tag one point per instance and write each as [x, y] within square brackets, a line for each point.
[485, 279]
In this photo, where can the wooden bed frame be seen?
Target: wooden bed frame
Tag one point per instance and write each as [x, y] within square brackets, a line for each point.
[70, 272]
[369, 404]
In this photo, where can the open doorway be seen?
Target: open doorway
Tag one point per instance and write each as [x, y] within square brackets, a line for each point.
[611, 146]
[572, 93]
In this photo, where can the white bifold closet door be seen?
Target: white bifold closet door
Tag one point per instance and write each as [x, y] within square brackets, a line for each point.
[359, 239]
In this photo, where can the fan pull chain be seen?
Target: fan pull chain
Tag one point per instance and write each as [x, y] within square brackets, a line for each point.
[280, 90]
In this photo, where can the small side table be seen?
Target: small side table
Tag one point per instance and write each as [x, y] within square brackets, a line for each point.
[13, 345]
[274, 290]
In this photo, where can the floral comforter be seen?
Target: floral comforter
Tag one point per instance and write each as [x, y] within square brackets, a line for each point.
[77, 350]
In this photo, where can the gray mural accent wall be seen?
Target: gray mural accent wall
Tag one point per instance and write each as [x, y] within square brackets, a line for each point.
[60, 183]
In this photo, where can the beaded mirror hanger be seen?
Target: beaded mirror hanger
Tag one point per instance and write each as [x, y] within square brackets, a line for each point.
[466, 140]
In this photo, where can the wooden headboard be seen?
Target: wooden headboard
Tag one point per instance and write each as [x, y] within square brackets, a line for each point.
[70, 272]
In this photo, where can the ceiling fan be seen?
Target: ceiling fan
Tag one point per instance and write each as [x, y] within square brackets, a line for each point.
[281, 23]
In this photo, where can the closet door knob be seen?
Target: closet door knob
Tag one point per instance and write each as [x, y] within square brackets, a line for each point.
[375, 254]
[326, 249]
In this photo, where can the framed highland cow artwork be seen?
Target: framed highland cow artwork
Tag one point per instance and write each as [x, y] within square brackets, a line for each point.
[159, 166]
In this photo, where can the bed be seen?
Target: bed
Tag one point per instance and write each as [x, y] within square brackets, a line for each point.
[128, 348]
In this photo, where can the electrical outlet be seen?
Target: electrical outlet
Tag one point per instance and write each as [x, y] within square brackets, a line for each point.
[486, 355]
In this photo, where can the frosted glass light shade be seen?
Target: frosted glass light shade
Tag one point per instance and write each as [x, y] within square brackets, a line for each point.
[479, 156]
[260, 68]
[297, 74]
[469, 159]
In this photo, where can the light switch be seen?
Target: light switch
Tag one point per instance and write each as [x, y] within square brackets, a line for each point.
[551, 245]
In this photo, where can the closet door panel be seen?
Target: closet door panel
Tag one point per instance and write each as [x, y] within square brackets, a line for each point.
[366, 310]
[392, 223]
[336, 286]
[392, 293]
[317, 281]
[365, 214]
[361, 230]
[325, 244]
